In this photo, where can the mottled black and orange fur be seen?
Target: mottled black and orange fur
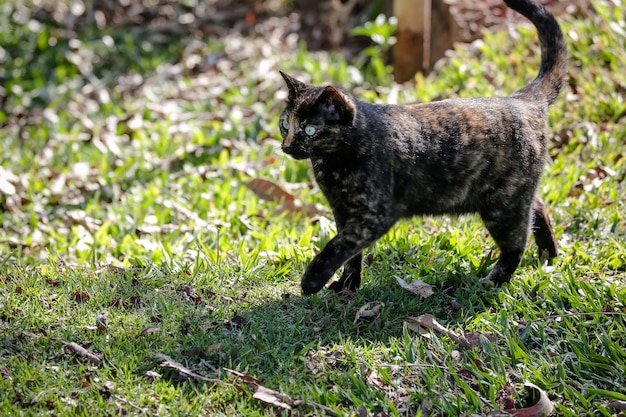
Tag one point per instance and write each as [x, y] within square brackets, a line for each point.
[379, 163]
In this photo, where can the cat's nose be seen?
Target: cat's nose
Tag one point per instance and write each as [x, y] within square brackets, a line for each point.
[288, 141]
[295, 151]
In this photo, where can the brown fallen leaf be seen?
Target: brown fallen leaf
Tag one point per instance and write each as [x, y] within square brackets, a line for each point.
[275, 398]
[374, 378]
[473, 338]
[135, 300]
[152, 375]
[81, 351]
[620, 405]
[194, 351]
[182, 370]
[108, 385]
[270, 191]
[542, 408]
[417, 287]
[455, 305]
[505, 397]
[428, 321]
[248, 379]
[150, 330]
[80, 296]
[369, 310]
[52, 282]
[237, 322]
[190, 295]
[203, 352]
[118, 302]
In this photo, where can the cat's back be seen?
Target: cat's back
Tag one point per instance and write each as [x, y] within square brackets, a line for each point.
[475, 113]
[497, 124]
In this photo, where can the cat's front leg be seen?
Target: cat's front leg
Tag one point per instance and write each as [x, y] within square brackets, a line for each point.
[351, 276]
[347, 245]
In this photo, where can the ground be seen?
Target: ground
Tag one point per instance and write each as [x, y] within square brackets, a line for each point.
[153, 234]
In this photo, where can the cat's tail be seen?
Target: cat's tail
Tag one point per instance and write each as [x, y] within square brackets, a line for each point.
[551, 77]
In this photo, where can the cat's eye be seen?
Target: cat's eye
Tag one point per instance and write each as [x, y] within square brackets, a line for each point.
[310, 130]
[284, 124]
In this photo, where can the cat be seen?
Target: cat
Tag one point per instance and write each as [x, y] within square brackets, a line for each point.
[377, 164]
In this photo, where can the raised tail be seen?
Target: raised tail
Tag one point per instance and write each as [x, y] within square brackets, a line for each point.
[547, 85]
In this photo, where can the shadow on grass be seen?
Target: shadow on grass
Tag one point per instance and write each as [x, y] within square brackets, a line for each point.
[271, 337]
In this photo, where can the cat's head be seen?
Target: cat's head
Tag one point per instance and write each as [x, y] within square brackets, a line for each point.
[315, 119]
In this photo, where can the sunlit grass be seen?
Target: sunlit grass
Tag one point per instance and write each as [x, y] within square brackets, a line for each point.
[124, 196]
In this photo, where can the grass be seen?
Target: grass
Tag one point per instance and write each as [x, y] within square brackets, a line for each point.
[127, 228]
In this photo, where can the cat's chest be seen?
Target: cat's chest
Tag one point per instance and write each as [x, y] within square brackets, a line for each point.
[333, 179]
[342, 181]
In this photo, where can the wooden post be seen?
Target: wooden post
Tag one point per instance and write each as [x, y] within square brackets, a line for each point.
[408, 52]
[426, 29]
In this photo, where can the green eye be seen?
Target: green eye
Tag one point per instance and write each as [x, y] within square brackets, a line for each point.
[284, 124]
[310, 130]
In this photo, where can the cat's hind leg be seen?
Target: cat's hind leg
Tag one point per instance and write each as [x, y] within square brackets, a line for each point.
[542, 229]
[510, 230]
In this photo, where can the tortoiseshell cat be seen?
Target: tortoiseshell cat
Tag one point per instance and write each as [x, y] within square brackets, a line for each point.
[379, 163]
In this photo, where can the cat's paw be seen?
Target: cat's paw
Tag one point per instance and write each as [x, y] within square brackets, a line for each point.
[311, 286]
[315, 276]
[496, 277]
[346, 283]
[337, 286]
[342, 291]
[340, 287]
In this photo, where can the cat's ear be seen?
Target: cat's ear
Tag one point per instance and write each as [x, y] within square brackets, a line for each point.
[336, 106]
[294, 86]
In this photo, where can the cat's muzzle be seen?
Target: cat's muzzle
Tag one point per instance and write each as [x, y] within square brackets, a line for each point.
[296, 152]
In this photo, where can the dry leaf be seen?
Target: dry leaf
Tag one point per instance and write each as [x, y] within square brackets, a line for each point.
[505, 397]
[620, 405]
[237, 322]
[373, 377]
[414, 326]
[117, 302]
[52, 282]
[429, 321]
[135, 300]
[81, 351]
[270, 191]
[183, 370]
[108, 385]
[543, 407]
[473, 338]
[194, 351]
[273, 397]
[418, 287]
[152, 375]
[250, 380]
[150, 330]
[80, 296]
[369, 310]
